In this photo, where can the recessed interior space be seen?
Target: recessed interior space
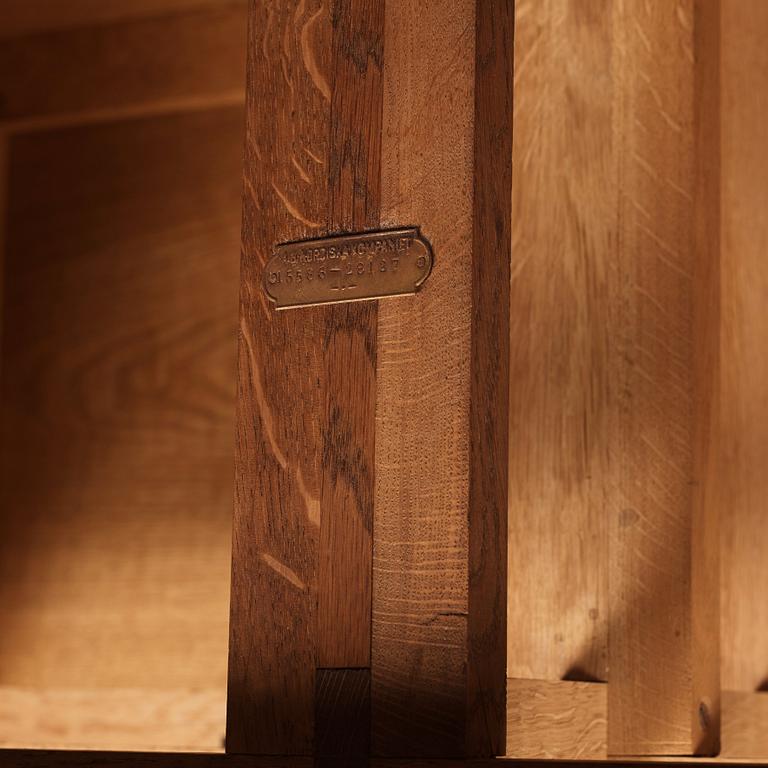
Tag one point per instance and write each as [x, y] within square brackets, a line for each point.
[121, 140]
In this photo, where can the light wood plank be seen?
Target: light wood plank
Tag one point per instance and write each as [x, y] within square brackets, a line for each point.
[184, 720]
[420, 566]
[663, 695]
[188, 57]
[558, 720]
[744, 370]
[564, 208]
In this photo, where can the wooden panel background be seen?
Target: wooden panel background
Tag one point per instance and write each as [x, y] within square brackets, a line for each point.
[118, 357]
[117, 404]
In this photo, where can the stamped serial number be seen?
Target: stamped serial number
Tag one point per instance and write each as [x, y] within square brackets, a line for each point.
[369, 265]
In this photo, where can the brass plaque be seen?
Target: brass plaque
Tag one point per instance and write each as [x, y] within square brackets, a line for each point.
[369, 265]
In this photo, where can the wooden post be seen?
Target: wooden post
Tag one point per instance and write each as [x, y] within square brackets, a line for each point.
[370, 520]
[663, 652]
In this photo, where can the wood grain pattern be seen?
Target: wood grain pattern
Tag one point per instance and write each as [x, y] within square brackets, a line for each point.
[343, 717]
[114, 719]
[556, 720]
[744, 369]
[279, 450]
[349, 341]
[186, 57]
[662, 697]
[706, 499]
[564, 203]
[420, 571]
[25, 17]
[305, 475]
[613, 361]
[489, 386]
[117, 398]
[565, 720]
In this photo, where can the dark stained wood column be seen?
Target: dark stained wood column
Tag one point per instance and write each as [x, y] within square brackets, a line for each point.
[369, 580]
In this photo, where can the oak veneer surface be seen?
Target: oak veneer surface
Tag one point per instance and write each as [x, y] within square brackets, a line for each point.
[556, 719]
[118, 354]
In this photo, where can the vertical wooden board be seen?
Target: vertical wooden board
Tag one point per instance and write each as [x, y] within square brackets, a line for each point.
[349, 342]
[744, 351]
[279, 448]
[310, 374]
[489, 387]
[706, 499]
[420, 571]
[556, 720]
[564, 205]
[343, 717]
[662, 697]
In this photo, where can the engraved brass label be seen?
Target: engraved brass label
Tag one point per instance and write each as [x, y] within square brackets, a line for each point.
[369, 265]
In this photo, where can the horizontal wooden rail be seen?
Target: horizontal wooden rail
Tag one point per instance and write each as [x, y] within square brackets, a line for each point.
[113, 68]
[49, 759]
